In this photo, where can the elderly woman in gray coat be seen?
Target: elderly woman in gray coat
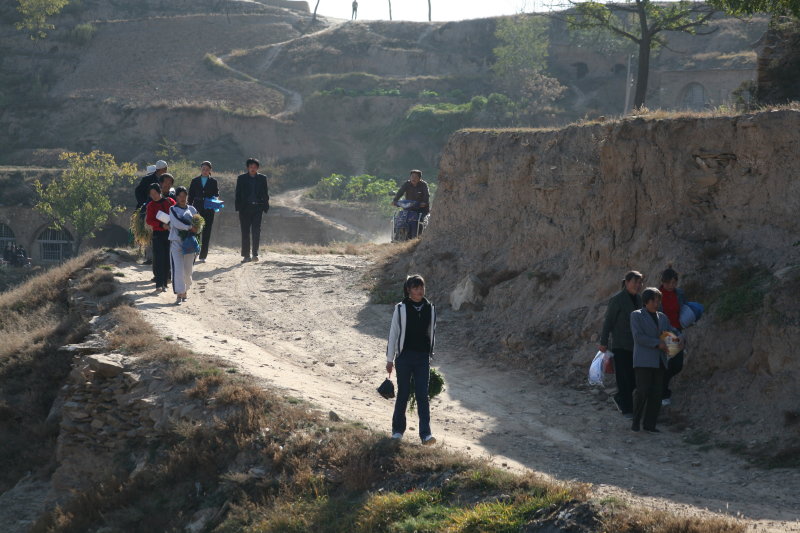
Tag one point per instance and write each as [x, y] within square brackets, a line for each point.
[649, 359]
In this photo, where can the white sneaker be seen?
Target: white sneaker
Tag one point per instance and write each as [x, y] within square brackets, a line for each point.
[665, 402]
[201, 260]
[397, 436]
[428, 441]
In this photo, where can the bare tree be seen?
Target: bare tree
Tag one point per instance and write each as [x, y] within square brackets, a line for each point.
[314, 16]
[643, 22]
[390, 9]
[429, 10]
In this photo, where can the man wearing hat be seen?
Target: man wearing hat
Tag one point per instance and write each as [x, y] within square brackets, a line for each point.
[201, 188]
[142, 190]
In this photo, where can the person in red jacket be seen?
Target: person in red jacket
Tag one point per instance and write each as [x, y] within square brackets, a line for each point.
[160, 235]
[672, 300]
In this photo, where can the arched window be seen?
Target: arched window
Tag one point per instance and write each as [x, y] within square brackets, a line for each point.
[55, 245]
[6, 236]
[693, 96]
[581, 70]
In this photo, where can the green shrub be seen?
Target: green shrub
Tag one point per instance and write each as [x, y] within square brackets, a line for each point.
[363, 188]
[81, 34]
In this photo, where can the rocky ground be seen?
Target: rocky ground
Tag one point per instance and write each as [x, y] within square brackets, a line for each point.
[304, 324]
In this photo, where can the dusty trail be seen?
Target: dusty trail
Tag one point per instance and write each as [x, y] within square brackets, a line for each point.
[300, 323]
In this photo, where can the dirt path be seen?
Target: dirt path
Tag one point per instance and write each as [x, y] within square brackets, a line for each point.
[299, 323]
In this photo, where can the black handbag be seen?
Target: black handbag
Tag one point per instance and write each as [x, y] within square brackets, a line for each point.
[386, 389]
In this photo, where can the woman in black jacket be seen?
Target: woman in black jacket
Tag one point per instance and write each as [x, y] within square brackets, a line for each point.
[617, 324]
[411, 339]
[201, 188]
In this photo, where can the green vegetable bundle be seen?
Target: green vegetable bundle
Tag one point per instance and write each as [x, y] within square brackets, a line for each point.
[435, 388]
[198, 223]
[142, 233]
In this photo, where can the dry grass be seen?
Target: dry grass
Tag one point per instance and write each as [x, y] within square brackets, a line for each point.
[265, 464]
[647, 114]
[629, 520]
[334, 248]
[34, 322]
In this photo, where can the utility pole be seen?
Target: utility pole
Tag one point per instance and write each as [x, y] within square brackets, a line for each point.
[628, 84]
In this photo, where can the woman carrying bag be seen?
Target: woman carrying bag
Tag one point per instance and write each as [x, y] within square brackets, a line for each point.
[180, 219]
[411, 341]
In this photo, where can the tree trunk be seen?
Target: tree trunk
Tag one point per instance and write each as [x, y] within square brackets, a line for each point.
[314, 16]
[645, 42]
[429, 10]
[643, 72]
[390, 9]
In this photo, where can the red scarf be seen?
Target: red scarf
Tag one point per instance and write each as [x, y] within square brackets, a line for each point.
[669, 302]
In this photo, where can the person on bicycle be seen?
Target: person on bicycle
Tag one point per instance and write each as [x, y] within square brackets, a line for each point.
[415, 190]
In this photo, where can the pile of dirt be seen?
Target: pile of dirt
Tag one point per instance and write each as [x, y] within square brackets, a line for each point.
[542, 225]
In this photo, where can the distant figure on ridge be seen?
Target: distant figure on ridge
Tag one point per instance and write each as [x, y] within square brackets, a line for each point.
[411, 341]
[355, 10]
[252, 202]
[201, 188]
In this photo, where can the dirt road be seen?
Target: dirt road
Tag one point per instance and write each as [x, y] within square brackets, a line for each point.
[300, 323]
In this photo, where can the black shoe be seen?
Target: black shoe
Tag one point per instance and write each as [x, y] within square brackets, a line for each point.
[255, 258]
[148, 262]
[153, 280]
[246, 259]
[635, 426]
[652, 430]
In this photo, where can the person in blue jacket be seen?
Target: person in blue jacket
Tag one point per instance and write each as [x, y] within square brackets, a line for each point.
[650, 359]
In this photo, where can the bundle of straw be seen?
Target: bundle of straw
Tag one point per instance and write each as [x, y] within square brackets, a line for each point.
[142, 232]
[198, 223]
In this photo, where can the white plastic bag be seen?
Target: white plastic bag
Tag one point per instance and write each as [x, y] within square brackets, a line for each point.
[596, 369]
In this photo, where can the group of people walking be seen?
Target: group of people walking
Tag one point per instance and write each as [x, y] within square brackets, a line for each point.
[635, 324]
[170, 212]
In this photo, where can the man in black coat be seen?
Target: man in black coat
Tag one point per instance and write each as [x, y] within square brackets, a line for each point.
[201, 188]
[252, 201]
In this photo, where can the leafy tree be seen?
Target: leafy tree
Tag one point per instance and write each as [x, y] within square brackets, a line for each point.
[642, 22]
[81, 196]
[750, 7]
[522, 51]
[35, 14]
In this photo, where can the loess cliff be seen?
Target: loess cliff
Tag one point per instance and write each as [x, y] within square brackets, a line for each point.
[544, 224]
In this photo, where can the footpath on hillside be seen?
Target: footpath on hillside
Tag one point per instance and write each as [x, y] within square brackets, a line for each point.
[303, 324]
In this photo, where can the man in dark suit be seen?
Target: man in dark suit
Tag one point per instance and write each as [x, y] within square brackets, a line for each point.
[252, 201]
[201, 188]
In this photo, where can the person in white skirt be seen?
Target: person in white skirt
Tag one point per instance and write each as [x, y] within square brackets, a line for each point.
[180, 216]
